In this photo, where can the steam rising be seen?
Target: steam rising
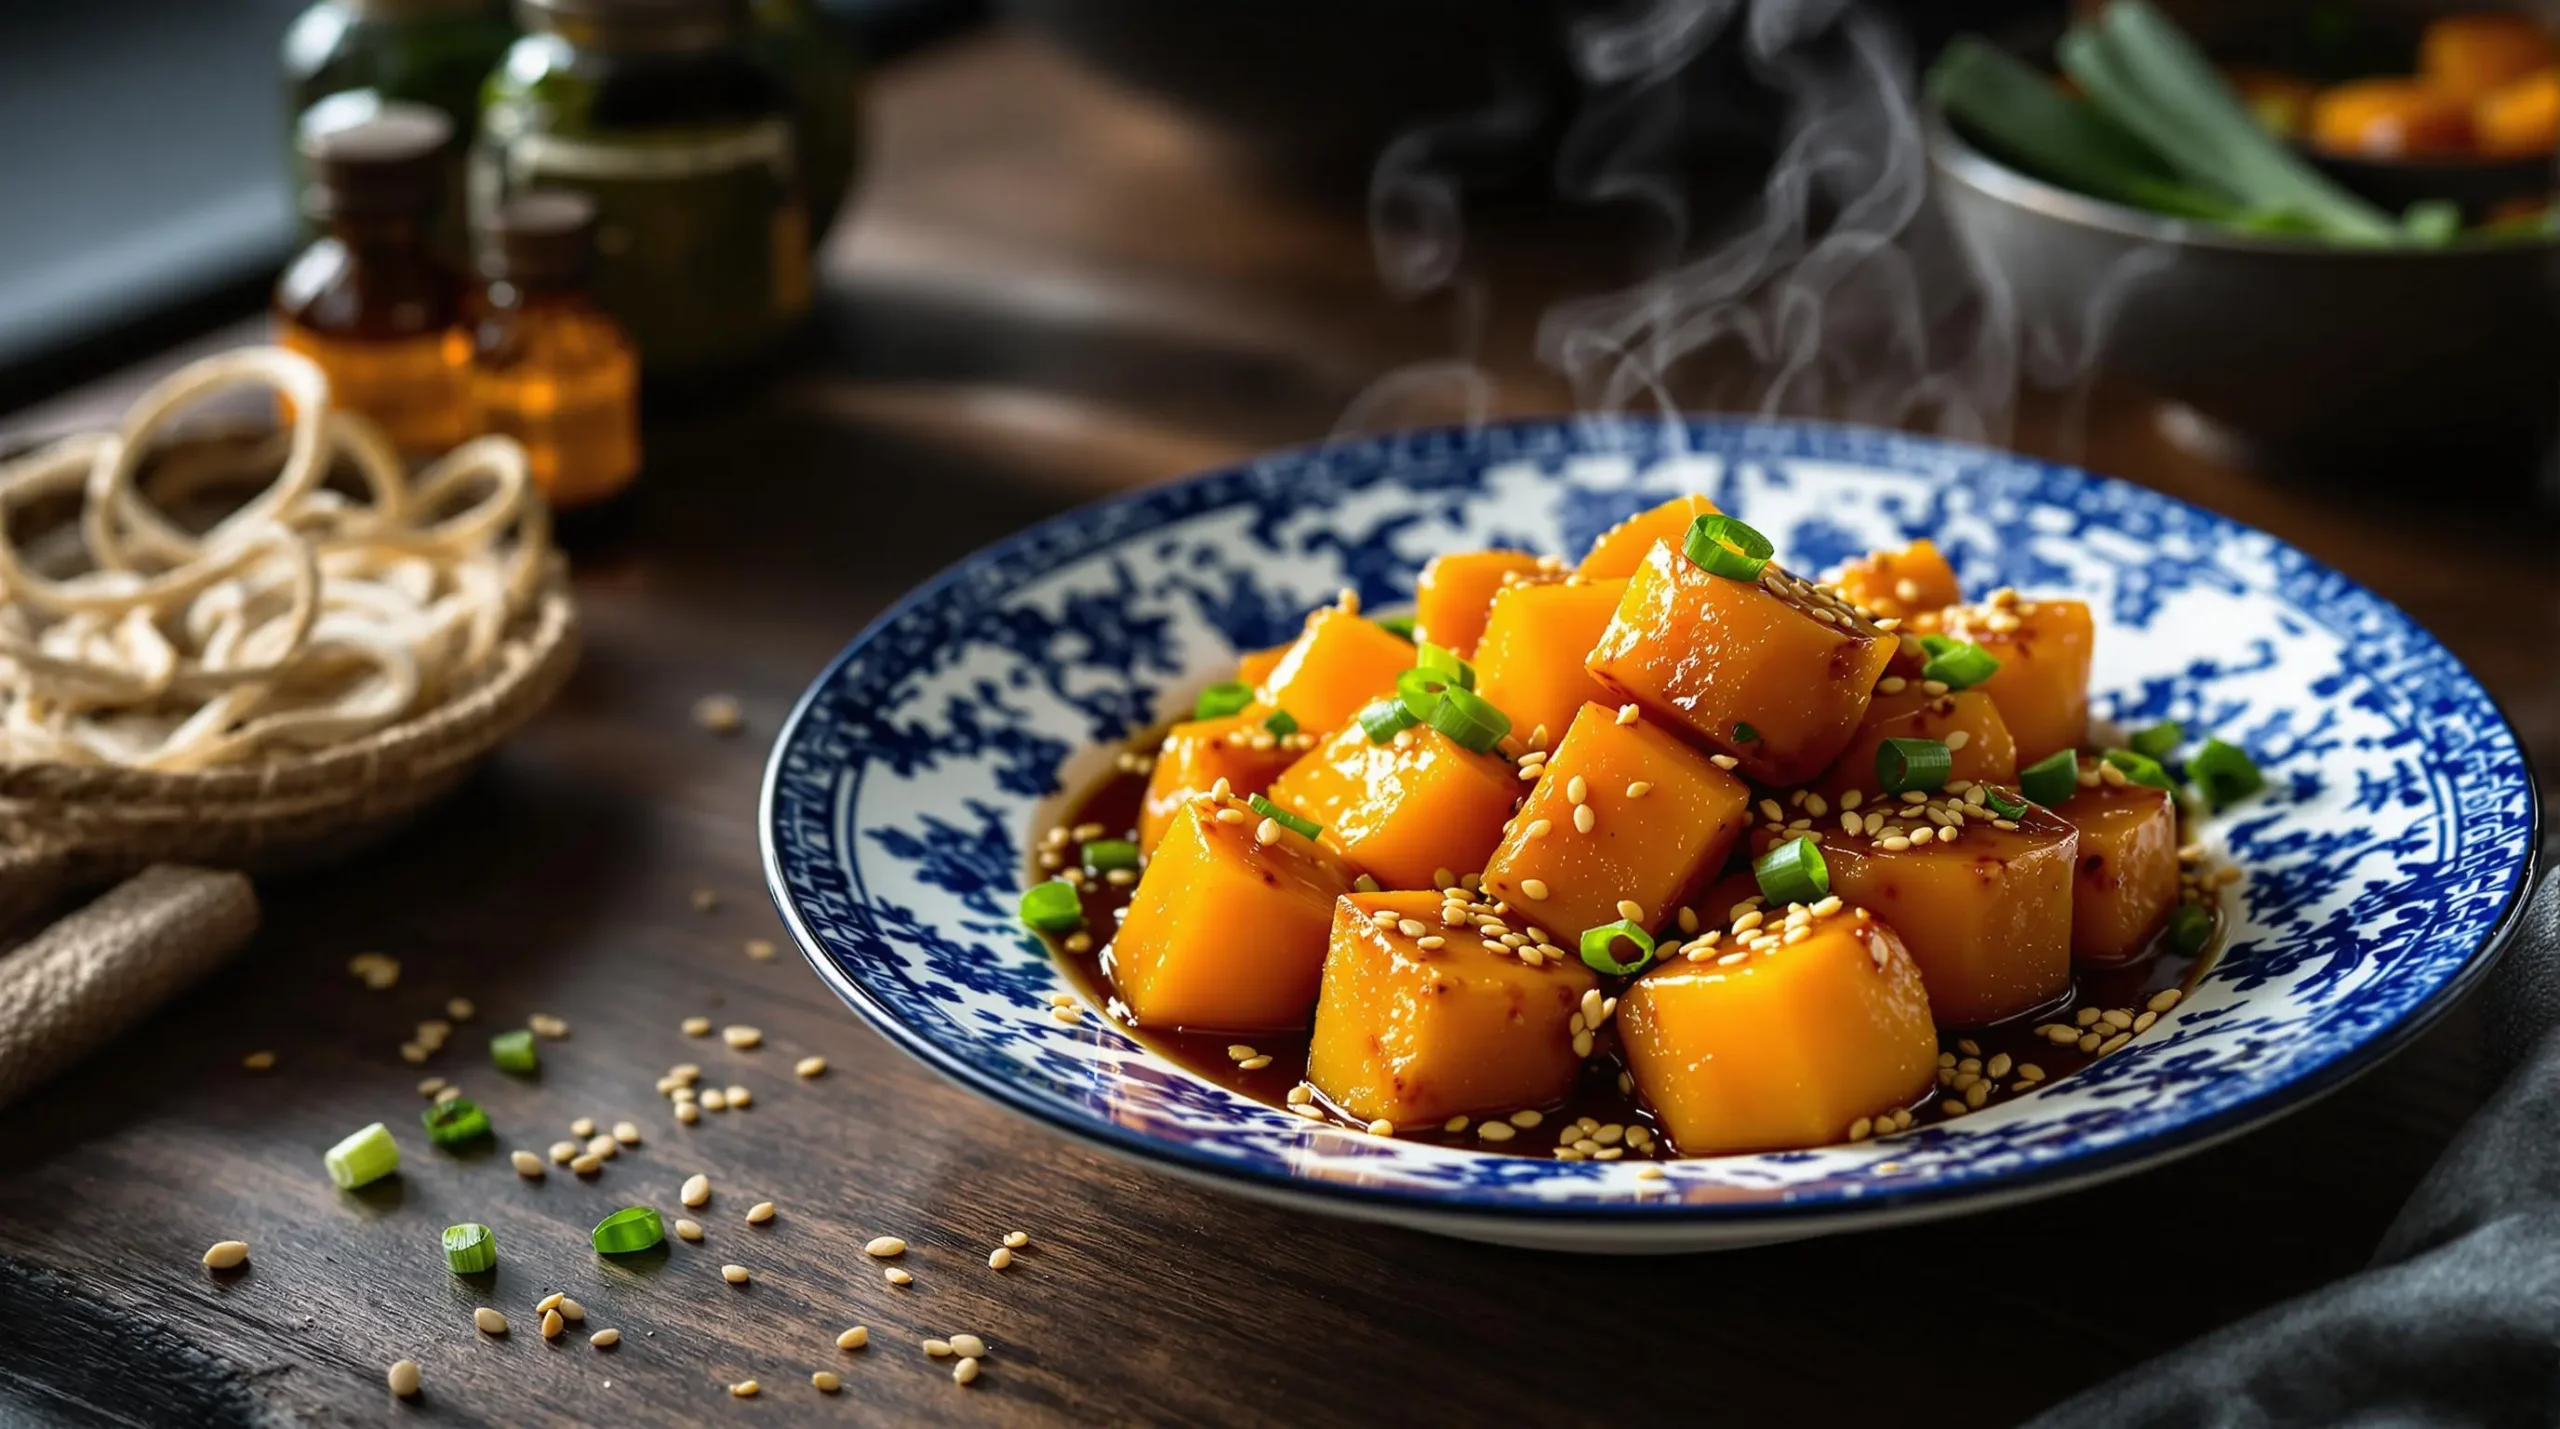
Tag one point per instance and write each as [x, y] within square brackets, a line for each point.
[1833, 292]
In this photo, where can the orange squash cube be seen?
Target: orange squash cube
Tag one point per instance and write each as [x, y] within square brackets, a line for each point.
[1662, 819]
[1198, 753]
[1622, 547]
[1774, 672]
[2126, 879]
[1455, 595]
[1417, 1035]
[1225, 933]
[1339, 663]
[1987, 915]
[2467, 56]
[1979, 748]
[1901, 584]
[1780, 1049]
[2042, 687]
[1403, 810]
[1530, 662]
[1255, 666]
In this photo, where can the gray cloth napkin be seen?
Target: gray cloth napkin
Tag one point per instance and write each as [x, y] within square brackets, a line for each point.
[2457, 1320]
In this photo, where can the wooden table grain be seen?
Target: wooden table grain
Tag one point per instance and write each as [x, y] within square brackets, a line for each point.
[1050, 291]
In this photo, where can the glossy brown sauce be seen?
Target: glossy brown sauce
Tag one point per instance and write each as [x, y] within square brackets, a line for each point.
[1113, 805]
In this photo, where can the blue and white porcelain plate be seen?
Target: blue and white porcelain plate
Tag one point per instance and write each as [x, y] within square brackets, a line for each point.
[2384, 868]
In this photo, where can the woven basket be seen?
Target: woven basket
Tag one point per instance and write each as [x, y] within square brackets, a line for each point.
[66, 825]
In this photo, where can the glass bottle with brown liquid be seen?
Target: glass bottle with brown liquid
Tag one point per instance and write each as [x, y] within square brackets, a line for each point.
[548, 368]
[369, 301]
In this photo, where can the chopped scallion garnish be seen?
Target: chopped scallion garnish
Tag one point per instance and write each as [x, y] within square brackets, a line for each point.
[629, 1229]
[363, 1158]
[2158, 740]
[514, 1052]
[2002, 804]
[2140, 768]
[2052, 780]
[1597, 943]
[1743, 733]
[1303, 827]
[1052, 907]
[2190, 928]
[1722, 546]
[455, 1122]
[1907, 764]
[1222, 699]
[1470, 719]
[1399, 625]
[1793, 872]
[1104, 855]
[2225, 773]
[1385, 719]
[1446, 664]
[1419, 691]
[1958, 664]
[469, 1248]
[1281, 723]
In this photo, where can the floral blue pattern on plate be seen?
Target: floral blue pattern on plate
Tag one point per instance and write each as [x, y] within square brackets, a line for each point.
[2385, 865]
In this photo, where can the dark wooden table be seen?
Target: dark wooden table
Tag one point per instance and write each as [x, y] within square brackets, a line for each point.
[1050, 291]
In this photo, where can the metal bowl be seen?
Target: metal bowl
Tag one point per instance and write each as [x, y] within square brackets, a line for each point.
[2298, 355]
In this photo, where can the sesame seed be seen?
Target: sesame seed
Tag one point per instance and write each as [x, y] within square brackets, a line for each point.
[259, 1061]
[527, 1164]
[740, 1098]
[625, 1133]
[1231, 816]
[226, 1254]
[489, 1321]
[734, 1274]
[687, 1113]
[808, 1067]
[2089, 1041]
[999, 1258]
[964, 1372]
[2163, 1000]
[1540, 828]
[968, 1347]
[1957, 739]
[759, 1213]
[552, 1324]
[1267, 832]
[571, 1311]
[695, 1027]
[1583, 818]
[2113, 1043]
[883, 1247]
[2143, 1023]
[742, 1037]
[403, 1378]
[586, 1163]
[696, 1191]
[1895, 843]
[1253, 1064]
[895, 1276]
[1495, 1131]
[688, 1229]
[1534, 889]
[1627, 714]
[745, 1389]
[603, 1147]
[1724, 761]
[854, 1338]
[1576, 790]
[826, 1381]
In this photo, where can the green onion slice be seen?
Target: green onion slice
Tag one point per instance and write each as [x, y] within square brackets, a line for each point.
[626, 1230]
[1904, 764]
[1305, 828]
[1104, 855]
[1445, 663]
[2052, 780]
[363, 1158]
[2002, 804]
[469, 1248]
[2225, 773]
[1958, 664]
[2159, 740]
[1281, 723]
[1222, 699]
[513, 1052]
[1745, 734]
[2190, 928]
[1596, 943]
[455, 1122]
[1793, 872]
[1470, 719]
[1052, 907]
[1386, 719]
[1722, 546]
[1397, 625]
[2140, 768]
[1419, 691]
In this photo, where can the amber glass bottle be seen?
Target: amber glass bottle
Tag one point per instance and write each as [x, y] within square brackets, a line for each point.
[547, 367]
[369, 301]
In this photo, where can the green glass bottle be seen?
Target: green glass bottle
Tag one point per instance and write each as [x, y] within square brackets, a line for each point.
[819, 69]
[344, 60]
[665, 116]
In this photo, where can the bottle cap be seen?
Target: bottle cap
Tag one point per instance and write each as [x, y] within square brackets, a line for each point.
[543, 239]
[388, 161]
